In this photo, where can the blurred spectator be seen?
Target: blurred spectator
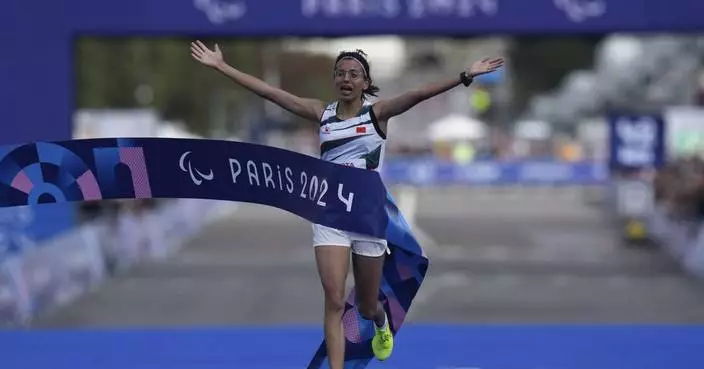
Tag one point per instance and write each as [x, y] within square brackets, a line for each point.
[679, 188]
[91, 211]
[700, 90]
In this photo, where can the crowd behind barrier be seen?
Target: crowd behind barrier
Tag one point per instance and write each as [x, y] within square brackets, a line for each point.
[677, 220]
[127, 233]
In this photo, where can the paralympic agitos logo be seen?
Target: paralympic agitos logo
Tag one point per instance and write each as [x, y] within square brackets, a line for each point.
[196, 176]
[581, 10]
[221, 11]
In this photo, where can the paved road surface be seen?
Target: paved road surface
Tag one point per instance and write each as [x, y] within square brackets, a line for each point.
[496, 257]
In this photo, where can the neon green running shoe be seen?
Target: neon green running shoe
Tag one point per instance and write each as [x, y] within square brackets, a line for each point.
[383, 342]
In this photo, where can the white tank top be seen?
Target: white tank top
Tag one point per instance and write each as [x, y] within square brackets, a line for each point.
[357, 141]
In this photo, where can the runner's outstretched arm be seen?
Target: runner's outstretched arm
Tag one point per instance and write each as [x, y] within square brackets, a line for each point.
[386, 109]
[310, 109]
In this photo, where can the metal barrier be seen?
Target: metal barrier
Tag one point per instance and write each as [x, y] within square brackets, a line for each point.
[74, 263]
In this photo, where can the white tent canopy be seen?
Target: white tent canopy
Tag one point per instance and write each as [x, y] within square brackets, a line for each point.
[170, 130]
[533, 130]
[456, 127]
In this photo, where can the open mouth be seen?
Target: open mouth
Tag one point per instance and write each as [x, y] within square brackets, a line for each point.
[346, 89]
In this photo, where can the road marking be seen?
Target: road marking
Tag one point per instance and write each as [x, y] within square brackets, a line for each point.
[408, 205]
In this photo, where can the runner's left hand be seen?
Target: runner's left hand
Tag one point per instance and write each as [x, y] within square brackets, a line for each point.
[484, 66]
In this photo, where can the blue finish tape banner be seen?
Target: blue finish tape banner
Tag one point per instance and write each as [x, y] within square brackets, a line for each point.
[333, 195]
[636, 141]
[492, 173]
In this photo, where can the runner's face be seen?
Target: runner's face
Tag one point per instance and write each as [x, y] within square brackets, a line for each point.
[350, 80]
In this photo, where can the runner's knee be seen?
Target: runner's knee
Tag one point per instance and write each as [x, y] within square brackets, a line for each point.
[334, 301]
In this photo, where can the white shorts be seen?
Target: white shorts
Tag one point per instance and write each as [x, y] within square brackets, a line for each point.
[361, 244]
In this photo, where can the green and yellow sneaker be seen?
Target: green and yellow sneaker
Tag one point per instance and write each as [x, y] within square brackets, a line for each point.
[383, 342]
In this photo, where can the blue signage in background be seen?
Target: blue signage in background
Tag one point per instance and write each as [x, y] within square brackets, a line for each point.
[636, 141]
[492, 173]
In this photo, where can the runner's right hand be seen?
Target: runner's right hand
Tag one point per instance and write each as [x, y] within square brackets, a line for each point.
[203, 54]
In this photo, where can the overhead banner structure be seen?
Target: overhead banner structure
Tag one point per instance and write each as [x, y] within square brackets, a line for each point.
[321, 192]
[37, 68]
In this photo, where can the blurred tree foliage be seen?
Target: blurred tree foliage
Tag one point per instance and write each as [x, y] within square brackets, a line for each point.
[109, 72]
[541, 63]
[307, 75]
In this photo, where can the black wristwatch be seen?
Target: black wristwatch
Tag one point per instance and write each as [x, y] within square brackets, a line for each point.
[466, 79]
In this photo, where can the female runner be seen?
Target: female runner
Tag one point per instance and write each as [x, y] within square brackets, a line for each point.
[352, 132]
